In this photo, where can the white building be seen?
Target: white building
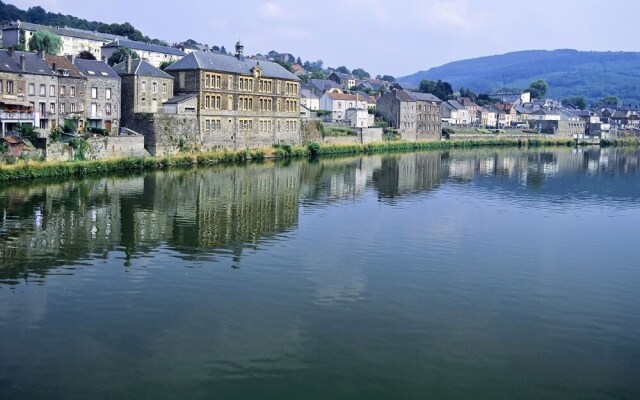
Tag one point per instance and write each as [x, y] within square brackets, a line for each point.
[153, 53]
[338, 103]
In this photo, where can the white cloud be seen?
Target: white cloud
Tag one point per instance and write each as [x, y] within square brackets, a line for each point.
[272, 11]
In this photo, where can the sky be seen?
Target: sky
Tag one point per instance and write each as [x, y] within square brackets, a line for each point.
[395, 37]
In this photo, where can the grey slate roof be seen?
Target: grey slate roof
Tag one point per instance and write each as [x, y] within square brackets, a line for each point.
[308, 94]
[34, 64]
[95, 69]
[141, 68]
[181, 98]
[324, 84]
[226, 63]
[145, 47]
[493, 109]
[424, 97]
[456, 104]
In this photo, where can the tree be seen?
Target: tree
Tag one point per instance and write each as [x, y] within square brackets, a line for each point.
[538, 89]
[298, 61]
[610, 100]
[578, 102]
[47, 41]
[165, 64]
[387, 78]
[468, 93]
[86, 55]
[285, 65]
[223, 50]
[317, 75]
[361, 73]
[215, 48]
[342, 69]
[121, 55]
[440, 89]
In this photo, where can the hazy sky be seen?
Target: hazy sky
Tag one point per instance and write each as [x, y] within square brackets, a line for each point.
[396, 37]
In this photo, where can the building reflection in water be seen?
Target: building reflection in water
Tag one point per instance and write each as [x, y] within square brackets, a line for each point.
[224, 210]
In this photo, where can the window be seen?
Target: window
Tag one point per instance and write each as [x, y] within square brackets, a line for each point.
[94, 109]
[52, 108]
[154, 87]
[107, 93]
[32, 89]
[43, 90]
[72, 107]
[62, 108]
[107, 108]
[245, 124]
[9, 87]
[72, 92]
[52, 90]
[164, 88]
[63, 90]
[143, 87]
[2, 86]
[94, 92]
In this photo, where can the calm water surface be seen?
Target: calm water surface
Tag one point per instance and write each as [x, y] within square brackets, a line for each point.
[488, 274]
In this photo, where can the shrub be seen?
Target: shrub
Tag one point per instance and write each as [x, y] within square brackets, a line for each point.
[56, 134]
[27, 132]
[69, 126]
[314, 149]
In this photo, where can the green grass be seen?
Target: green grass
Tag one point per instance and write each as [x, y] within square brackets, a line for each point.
[39, 169]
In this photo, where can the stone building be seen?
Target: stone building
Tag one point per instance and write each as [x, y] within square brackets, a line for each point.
[28, 92]
[144, 87]
[428, 116]
[71, 87]
[102, 95]
[242, 103]
[416, 116]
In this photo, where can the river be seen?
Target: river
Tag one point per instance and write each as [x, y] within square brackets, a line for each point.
[480, 274]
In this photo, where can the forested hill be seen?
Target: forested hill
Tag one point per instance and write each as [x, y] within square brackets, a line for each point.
[38, 15]
[593, 75]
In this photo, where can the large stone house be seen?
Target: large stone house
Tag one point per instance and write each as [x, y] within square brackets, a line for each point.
[144, 87]
[71, 89]
[242, 103]
[155, 54]
[28, 92]
[416, 116]
[102, 95]
[74, 41]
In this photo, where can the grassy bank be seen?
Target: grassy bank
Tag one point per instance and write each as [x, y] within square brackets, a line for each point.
[25, 170]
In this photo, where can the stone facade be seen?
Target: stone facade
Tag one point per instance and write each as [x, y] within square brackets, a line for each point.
[28, 91]
[399, 110]
[100, 148]
[241, 103]
[167, 133]
[102, 95]
[71, 87]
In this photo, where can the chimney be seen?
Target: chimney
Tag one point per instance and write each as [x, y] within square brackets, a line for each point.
[128, 70]
[22, 62]
[41, 54]
[71, 58]
[53, 67]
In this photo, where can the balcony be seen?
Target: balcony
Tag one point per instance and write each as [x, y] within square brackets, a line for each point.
[21, 116]
[94, 115]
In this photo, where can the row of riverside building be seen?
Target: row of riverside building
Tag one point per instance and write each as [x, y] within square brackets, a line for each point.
[202, 101]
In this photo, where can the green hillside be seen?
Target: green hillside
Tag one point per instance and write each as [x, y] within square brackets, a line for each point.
[568, 73]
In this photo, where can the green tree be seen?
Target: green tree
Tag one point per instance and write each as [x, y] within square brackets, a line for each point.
[317, 75]
[121, 55]
[86, 55]
[440, 89]
[578, 102]
[47, 41]
[387, 78]
[342, 69]
[538, 89]
[610, 100]
[361, 73]
[165, 64]
[298, 61]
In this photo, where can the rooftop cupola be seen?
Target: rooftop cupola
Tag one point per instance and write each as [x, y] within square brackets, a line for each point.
[239, 49]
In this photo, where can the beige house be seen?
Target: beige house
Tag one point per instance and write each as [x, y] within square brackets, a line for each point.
[74, 41]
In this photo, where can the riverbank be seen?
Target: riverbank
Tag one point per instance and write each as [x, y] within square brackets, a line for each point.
[26, 169]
